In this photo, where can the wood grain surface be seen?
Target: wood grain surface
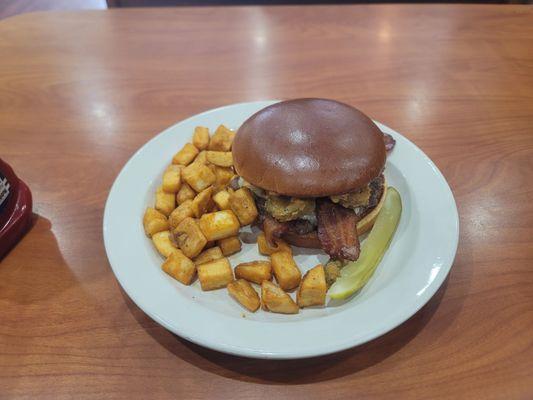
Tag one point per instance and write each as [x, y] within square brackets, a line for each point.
[80, 92]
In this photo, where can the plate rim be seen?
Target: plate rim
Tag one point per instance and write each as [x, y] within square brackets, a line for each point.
[397, 319]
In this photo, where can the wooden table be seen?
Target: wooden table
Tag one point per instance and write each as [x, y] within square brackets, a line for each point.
[80, 92]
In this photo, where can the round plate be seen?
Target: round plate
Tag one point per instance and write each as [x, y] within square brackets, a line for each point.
[414, 267]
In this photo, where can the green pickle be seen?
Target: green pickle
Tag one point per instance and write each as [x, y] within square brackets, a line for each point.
[357, 273]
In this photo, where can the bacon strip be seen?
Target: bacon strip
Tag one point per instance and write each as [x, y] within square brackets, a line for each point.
[337, 231]
[389, 141]
[273, 229]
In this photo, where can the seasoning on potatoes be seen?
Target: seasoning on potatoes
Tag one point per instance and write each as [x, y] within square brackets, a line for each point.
[189, 237]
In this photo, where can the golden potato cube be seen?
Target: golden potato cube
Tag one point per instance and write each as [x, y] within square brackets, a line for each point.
[285, 270]
[185, 155]
[201, 158]
[198, 176]
[172, 178]
[189, 237]
[154, 221]
[183, 211]
[245, 294]
[223, 176]
[214, 253]
[274, 299]
[255, 271]
[221, 199]
[230, 245]
[185, 193]
[179, 267]
[164, 202]
[215, 274]
[220, 158]
[312, 291]
[222, 139]
[163, 243]
[267, 249]
[219, 225]
[200, 138]
[242, 204]
[202, 202]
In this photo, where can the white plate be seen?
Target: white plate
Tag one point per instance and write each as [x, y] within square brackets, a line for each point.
[414, 267]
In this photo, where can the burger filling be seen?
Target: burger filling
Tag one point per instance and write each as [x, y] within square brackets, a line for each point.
[334, 218]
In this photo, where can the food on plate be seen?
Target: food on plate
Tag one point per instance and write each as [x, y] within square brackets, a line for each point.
[200, 138]
[213, 253]
[356, 274]
[219, 225]
[315, 167]
[180, 267]
[285, 270]
[309, 172]
[267, 249]
[215, 274]
[198, 176]
[164, 202]
[181, 212]
[230, 245]
[242, 204]
[312, 290]
[245, 294]
[185, 193]
[189, 237]
[254, 271]
[163, 243]
[274, 299]
[154, 221]
[186, 155]
[172, 178]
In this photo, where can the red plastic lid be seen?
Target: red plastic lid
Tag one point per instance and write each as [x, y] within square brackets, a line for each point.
[15, 208]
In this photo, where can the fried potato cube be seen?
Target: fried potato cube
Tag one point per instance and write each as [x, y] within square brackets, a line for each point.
[285, 270]
[255, 271]
[185, 155]
[214, 253]
[215, 274]
[221, 199]
[164, 202]
[223, 176]
[179, 267]
[274, 299]
[198, 176]
[230, 245]
[219, 225]
[172, 178]
[189, 237]
[185, 193]
[200, 138]
[242, 204]
[245, 294]
[267, 249]
[222, 139]
[202, 202]
[312, 291]
[220, 158]
[201, 158]
[154, 221]
[183, 211]
[163, 243]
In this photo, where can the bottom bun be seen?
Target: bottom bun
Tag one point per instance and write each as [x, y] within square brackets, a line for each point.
[310, 240]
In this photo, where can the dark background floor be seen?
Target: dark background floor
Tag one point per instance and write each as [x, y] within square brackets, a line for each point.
[13, 7]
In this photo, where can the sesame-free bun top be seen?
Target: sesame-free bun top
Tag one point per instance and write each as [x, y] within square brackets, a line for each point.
[309, 148]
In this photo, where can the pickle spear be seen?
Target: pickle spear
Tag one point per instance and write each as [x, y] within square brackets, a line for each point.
[357, 273]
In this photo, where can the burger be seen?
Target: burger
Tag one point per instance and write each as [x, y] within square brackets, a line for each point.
[315, 168]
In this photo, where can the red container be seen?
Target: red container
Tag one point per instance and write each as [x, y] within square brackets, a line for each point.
[15, 208]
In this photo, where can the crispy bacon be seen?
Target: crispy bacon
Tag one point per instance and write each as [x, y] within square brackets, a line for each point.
[389, 141]
[337, 230]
